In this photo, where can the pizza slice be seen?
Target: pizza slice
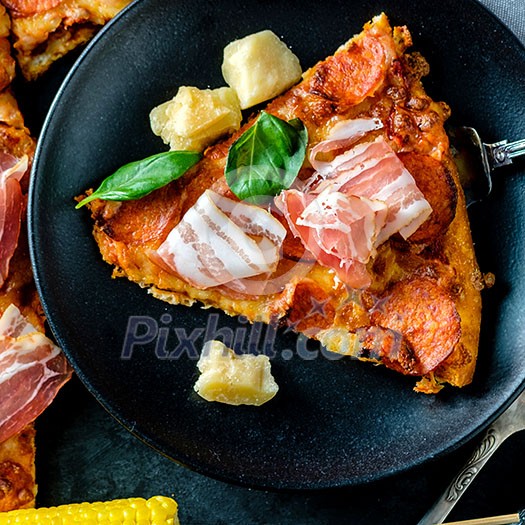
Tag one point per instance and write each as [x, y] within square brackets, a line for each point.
[45, 30]
[369, 251]
[32, 369]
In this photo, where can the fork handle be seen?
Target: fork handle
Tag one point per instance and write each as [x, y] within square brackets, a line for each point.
[492, 439]
[501, 153]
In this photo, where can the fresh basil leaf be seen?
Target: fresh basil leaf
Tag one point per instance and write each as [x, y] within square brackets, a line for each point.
[137, 179]
[266, 158]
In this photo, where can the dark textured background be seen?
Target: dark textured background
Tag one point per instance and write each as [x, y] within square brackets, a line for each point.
[84, 455]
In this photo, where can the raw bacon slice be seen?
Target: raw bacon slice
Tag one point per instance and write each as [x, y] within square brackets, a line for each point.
[220, 240]
[374, 171]
[342, 135]
[32, 371]
[344, 225]
[354, 202]
[11, 208]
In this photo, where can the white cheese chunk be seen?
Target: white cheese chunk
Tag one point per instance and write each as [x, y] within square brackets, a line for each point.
[195, 118]
[234, 379]
[259, 67]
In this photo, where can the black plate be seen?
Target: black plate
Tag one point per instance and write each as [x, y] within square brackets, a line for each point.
[333, 422]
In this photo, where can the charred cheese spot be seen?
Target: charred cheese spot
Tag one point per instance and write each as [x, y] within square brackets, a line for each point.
[16, 485]
[388, 347]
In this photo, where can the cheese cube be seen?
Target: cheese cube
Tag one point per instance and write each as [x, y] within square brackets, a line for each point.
[195, 118]
[234, 379]
[259, 67]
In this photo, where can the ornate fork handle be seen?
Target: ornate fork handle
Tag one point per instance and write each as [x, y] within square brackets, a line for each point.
[493, 438]
[501, 153]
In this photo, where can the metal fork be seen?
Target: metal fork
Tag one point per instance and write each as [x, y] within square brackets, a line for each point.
[509, 422]
[476, 160]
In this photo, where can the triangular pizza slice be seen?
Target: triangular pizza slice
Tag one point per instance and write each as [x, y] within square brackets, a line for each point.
[369, 251]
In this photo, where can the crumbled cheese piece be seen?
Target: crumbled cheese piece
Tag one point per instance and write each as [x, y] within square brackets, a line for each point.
[195, 118]
[234, 379]
[259, 67]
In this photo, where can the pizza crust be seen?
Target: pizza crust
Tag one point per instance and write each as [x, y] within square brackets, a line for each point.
[45, 30]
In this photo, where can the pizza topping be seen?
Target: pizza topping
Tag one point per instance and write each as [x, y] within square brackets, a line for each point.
[437, 184]
[354, 202]
[11, 208]
[342, 135]
[138, 179]
[339, 230]
[354, 73]
[266, 158]
[32, 370]
[426, 316]
[220, 240]
[373, 170]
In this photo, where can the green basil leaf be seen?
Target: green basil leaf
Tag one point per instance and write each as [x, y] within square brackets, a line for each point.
[266, 158]
[137, 179]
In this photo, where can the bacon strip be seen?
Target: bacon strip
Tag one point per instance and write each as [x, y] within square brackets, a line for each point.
[343, 135]
[220, 240]
[11, 208]
[354, 202]
[32, 370]
[374, 171]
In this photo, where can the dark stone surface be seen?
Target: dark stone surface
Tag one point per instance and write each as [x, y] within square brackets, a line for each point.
[85, 455]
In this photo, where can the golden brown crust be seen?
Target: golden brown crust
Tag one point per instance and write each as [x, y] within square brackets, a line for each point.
[370, 76]
[17, 471]
[45, 30]
[7, 64]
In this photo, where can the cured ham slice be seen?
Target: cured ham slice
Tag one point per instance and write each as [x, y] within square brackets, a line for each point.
[11, 208]
[32, 370]
[344, 225]
[353, 202]
[220, 240]
[339, 230]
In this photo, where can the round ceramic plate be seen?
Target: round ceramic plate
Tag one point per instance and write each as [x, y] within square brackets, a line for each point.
[334, 422]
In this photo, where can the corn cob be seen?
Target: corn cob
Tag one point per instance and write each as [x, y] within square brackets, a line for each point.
[158, 510]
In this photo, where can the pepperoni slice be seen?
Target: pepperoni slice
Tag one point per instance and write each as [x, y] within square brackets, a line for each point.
[353, 74]
[439, 189]
[426, 317]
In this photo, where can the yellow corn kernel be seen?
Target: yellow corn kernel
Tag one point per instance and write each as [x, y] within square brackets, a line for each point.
[158, 510]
